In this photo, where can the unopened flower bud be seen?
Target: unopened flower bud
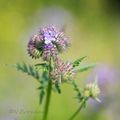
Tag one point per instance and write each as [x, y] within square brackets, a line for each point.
[92, 90]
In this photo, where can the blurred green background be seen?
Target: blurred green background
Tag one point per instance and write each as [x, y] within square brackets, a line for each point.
[94, 30]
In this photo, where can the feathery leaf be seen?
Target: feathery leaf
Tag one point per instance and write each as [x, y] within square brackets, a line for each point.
[30, 70]
[42, 94]
[78, 61]
[76, 88]
[41, 65]
[85, 68]
[57, 86]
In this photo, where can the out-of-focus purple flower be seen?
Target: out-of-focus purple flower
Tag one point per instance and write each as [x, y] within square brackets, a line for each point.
[48, 43]
[108, 81]
[63, 71]
[106, 76]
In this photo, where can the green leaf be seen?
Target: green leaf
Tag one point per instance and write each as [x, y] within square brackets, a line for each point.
[42, 94]
[30, 70]
[25, 67]
[85, 102]
[85, 68]
[78, 61]
[57, 86]
[45, 76]
[76, 88]
[41, 65]
[44, 85]
[41, 87]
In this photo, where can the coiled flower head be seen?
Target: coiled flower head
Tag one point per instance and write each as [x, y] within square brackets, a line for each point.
[47, 43]
[35, 46]
[63, 72]
[68, 72]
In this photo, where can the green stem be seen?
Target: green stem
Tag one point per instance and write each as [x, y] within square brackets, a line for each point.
[78, 110]
[49, 91]
[47, 100]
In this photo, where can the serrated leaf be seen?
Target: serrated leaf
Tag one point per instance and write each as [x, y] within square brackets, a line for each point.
[85, 68]
[42, 94]
[76, 88]
[45, 76]
[41, 87]
[25, 67]
[42, 65]
[37, 75]
[18, 66]
[78, 61]
[30, 70]
[57, 86]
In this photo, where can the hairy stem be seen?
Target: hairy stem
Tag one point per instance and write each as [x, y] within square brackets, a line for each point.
[79, 109]
[49, 90]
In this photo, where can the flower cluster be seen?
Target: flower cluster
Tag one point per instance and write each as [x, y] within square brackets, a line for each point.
[63, 71]
[49, 42]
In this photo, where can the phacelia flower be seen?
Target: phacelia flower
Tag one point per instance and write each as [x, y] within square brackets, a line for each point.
[35, 46]
[68, 72]
[47, 43]
[64, 71]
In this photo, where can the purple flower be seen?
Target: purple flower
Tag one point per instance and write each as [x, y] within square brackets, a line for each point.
[47, 43]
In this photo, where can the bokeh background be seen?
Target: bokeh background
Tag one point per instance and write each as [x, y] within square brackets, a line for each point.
[93, 27]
